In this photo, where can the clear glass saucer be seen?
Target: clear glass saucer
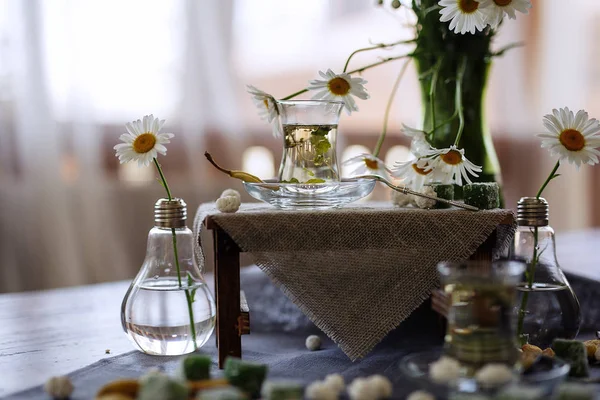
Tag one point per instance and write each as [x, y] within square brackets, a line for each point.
[416, 366]
[318, 196]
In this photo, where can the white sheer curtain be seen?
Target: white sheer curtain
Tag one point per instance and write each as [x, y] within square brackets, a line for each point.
[69, 71]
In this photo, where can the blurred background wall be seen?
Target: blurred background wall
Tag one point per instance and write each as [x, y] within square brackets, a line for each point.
[72, 72]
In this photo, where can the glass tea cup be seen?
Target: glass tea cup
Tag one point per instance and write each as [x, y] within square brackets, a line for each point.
[481, 318]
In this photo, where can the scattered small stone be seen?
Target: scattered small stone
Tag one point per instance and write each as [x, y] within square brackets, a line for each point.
[228, 204]
[231, 192]
[382, 385]
[282, 390]
[423, 202]
[335, 381]
[591, 347]
[161, 387]
[400, 199]
[443, 191]
[420, 395]
[224, 393]
[195, 367]
[493, 375]
[313, 343]
[107, 351]
[362, 389]
[444, 370]
[319, 390]
[59, 387]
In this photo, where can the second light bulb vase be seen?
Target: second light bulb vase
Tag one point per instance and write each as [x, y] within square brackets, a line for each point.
[168, 309]
[548, 307]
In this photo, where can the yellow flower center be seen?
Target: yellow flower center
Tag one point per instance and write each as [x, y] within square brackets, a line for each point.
[572, 139]
[144, 143]
[453, 157]
[502, 3]
[266, 103]
[339, 86]
[371, 164]
[420, 171]
[469, 6]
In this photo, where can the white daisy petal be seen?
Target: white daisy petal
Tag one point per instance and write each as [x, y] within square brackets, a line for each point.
[464, 16]
[142, 142]
[367, 164]
[340, 87]
[572, 137]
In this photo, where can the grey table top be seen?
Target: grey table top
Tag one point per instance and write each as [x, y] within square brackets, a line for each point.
[54, 332]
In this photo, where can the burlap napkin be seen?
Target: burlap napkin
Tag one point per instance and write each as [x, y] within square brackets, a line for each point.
[357, 272]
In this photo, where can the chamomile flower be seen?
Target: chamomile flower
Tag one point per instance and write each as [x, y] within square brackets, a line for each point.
[142, 142]
[496, 9]
[339, 87]
[464, 15]
[419, 144]
[267, 108]
[367, 164]
[574, 137]
[451, 166]
[416, 173]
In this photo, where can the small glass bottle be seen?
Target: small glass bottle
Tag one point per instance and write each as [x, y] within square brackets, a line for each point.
[168, 309]
[551, 309]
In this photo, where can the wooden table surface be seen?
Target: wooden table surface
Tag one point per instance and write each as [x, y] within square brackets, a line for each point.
[48, 333]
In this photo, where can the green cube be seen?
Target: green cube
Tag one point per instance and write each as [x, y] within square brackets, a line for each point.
[161, 387]
[224, 393]
[247, 376]
[484, 196]
[195, 367]
[573, 352]
[282, 390]
[443, 192]
[576, 391]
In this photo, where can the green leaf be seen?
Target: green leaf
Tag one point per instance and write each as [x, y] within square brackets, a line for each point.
[190, 282]
[323, 146]
[293, 180]
[315, 180]
[321, 131]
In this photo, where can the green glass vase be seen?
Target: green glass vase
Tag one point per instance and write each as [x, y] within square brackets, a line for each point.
[441, 57]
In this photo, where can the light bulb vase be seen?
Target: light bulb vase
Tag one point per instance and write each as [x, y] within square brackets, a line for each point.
[548, 307]
[168, 308]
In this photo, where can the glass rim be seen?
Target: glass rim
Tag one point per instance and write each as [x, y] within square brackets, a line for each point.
[309, 102]
[474, 267]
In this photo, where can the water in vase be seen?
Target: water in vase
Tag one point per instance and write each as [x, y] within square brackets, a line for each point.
[309, 154]
[552, 312]
[157, 319]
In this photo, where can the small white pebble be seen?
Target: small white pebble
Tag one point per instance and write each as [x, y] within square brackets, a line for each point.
[362, 389]
[444, 370]
[423, 202]
[400, 199]
[319, 390]
[494, 375]
[150, 373]
[231, 192]
[420, 395]
[335, 381]
[382, 384]
[59, 387]
[313, 343]
[228, 204]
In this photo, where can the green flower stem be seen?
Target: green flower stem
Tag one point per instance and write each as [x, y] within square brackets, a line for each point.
[550, 177]
[358, 70]
[459, 107]
[176, 255]
[388, 108]
[375, 47]
[530, 273]
[434, 79]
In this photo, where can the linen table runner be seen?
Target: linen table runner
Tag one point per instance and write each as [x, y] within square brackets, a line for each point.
[359, 271]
